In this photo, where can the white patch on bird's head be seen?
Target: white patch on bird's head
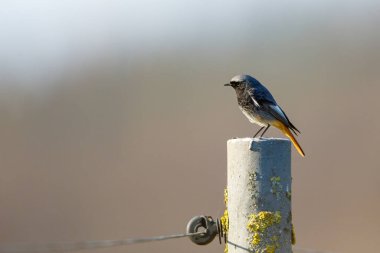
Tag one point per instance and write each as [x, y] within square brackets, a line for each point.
[238, 79]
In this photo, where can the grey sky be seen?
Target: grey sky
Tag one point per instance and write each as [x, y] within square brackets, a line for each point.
[39, 37]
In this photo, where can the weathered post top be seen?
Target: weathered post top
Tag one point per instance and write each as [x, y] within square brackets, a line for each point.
[259, 195]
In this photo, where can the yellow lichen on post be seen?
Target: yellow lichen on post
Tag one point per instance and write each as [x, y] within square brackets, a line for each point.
[270, 249]
[256, 239]
[261, 221]
[225, 197]
[293, 235]
[276, 186]
[258, 224]
[224, 219]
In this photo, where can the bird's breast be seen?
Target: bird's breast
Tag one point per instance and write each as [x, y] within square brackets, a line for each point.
[253, 116]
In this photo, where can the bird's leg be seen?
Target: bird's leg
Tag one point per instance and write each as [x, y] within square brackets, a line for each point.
[258, 132]
[265, 130]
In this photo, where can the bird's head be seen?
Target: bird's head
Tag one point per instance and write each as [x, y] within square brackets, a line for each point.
[241, 82]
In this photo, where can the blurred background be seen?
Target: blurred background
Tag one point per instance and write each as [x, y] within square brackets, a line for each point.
[114, 118]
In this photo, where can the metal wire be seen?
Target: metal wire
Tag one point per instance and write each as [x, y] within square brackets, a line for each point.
[84, 245]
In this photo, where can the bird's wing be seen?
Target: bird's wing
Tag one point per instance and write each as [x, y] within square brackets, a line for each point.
[276, 112]
[266, 102]
[257, 96]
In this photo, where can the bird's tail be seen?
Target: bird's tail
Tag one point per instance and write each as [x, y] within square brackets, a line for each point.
[289, 134]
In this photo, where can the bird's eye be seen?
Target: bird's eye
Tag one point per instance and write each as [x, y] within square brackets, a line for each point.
[236, 84]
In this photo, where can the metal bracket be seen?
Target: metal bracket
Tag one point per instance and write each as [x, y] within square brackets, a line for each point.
[210, 228]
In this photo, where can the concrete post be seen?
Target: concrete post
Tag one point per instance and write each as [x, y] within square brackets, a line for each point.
[259, 195]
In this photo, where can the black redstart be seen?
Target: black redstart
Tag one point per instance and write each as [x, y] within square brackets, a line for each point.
[259, 106]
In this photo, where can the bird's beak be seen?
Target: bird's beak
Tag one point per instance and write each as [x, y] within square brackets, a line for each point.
[227, 84]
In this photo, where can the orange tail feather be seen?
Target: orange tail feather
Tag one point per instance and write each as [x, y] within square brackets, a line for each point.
[289, 134]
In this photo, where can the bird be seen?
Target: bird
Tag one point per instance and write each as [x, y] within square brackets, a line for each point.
[259, 106]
